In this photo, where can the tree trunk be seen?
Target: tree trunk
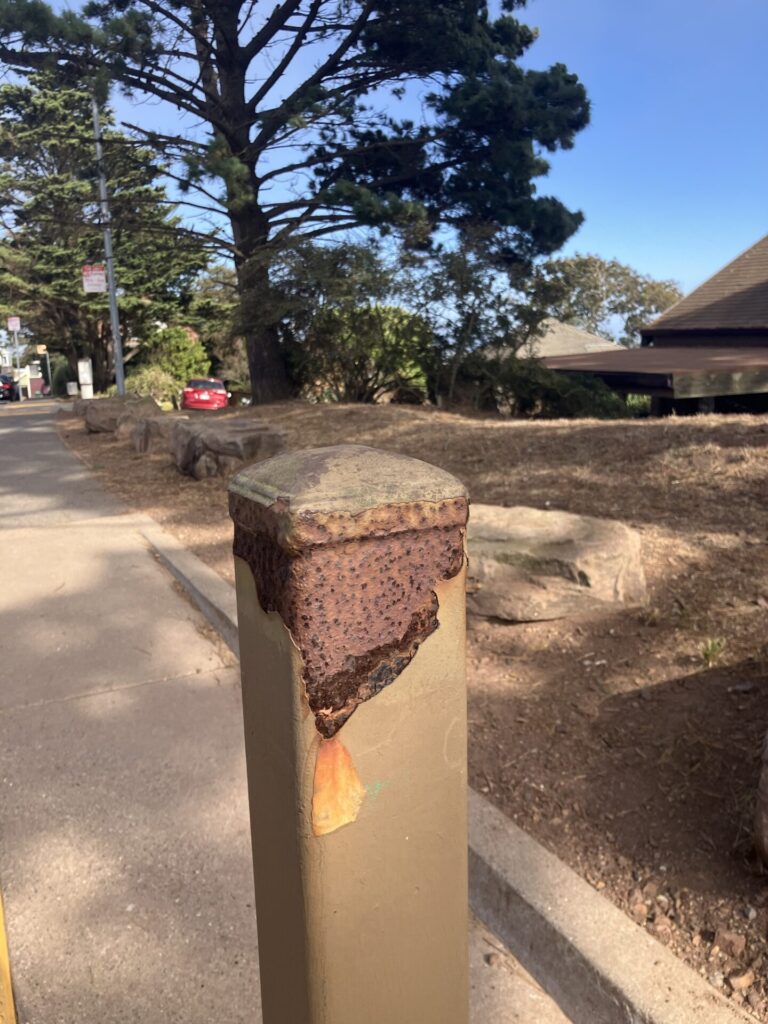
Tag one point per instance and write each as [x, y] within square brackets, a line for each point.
[270, 380]
[102, 377]
[269, 376]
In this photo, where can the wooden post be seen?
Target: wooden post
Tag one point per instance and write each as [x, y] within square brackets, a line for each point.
[350, 568]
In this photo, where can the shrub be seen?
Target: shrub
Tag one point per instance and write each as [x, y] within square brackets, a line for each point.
[154, 382]
[639, 405]
[524, 387]
[179, 353]
[360, 354]
[61, 374]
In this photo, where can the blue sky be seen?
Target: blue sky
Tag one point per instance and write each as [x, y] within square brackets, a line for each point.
[672, 174]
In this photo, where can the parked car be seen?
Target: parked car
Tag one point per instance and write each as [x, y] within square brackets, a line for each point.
[9, 389]
[205, 393]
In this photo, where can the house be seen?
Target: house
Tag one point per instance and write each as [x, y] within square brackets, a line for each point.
[561, 339]
[707, 352]
[729, 310]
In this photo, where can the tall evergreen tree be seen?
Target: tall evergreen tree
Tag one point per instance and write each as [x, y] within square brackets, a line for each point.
[322, 115]
[50, 226]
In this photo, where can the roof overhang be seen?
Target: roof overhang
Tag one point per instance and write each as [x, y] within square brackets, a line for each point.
[674, 372]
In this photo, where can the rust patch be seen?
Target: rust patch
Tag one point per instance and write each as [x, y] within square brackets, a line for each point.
[357, 609]
[296, 531]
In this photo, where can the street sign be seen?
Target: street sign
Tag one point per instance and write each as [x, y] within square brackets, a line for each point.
[14, 323]
[41, 349]
[94, 277]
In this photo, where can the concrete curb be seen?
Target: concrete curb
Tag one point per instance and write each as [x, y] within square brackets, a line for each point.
[213, 595]
[583, 951]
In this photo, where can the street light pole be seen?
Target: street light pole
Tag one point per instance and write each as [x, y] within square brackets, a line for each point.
[114, 317]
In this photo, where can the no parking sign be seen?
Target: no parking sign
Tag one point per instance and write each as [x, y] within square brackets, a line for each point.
[94, 277]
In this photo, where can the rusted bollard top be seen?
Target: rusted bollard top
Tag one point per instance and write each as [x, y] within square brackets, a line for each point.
[348, 544]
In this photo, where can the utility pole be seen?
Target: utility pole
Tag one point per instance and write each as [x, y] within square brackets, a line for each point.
[114, 317]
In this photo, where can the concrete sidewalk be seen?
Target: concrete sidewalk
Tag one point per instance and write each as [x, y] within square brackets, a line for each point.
[124, 851]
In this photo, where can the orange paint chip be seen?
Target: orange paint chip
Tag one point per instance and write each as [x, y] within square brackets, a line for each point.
[338, 792]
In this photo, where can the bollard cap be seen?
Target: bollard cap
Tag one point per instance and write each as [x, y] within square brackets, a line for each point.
[348, 545]
[326, 495]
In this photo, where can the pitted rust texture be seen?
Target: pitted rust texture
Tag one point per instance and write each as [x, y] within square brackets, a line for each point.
[357, 609]
[297, 531]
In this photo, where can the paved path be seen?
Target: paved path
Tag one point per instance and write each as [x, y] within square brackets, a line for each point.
[124, 852]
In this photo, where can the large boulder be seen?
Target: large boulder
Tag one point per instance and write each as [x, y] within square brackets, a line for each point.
[217, 446]
[529, 565]
[134, 412]
[155, 433]
[102, 415]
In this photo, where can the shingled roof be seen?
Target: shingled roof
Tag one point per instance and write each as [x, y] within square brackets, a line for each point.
[733, 299]
[561, 339]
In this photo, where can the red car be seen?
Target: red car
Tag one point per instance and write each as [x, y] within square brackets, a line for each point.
[9, 389]
[205, 393]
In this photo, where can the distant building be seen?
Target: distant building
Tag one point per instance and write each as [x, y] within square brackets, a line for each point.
[708, 351]
[561, 339]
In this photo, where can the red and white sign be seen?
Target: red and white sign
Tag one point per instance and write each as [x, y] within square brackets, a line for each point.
[14, 323]
[94, 277]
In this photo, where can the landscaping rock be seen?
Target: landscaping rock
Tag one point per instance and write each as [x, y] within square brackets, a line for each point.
[155, 433]
[529, 565]
[731, 943]
[102, 415]
[741, 981]
[219, 446]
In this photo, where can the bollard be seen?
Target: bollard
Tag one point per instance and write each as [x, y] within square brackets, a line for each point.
[350, 566]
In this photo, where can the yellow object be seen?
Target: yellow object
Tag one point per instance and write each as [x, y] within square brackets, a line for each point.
[7, 1007]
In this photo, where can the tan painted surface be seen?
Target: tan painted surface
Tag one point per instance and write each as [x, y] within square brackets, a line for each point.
[7, 1005]
[367, 925]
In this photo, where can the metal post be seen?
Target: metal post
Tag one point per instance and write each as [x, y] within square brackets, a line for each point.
[50, 378]
[18, 364]
[114, 316]
[350, 567]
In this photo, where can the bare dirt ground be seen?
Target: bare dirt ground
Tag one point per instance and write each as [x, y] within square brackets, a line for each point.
[626, 743]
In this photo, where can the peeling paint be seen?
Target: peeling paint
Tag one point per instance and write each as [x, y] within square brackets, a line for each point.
[357, 596]
[338, 793]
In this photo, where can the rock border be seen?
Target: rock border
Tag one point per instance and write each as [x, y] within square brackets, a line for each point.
[596, 964]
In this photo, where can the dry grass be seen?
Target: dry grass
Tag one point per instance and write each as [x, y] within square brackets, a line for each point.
[628, 742]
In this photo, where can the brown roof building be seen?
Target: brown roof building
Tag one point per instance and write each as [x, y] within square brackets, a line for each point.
[731, 308]
[559, 339]
[706, 351]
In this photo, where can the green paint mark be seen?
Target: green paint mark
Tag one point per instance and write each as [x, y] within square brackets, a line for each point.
[375, 788]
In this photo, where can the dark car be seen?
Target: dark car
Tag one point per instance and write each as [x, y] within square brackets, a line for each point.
[9, 389]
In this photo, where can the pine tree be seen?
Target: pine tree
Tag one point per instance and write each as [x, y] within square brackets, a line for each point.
[322, 115]
[51, 227]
